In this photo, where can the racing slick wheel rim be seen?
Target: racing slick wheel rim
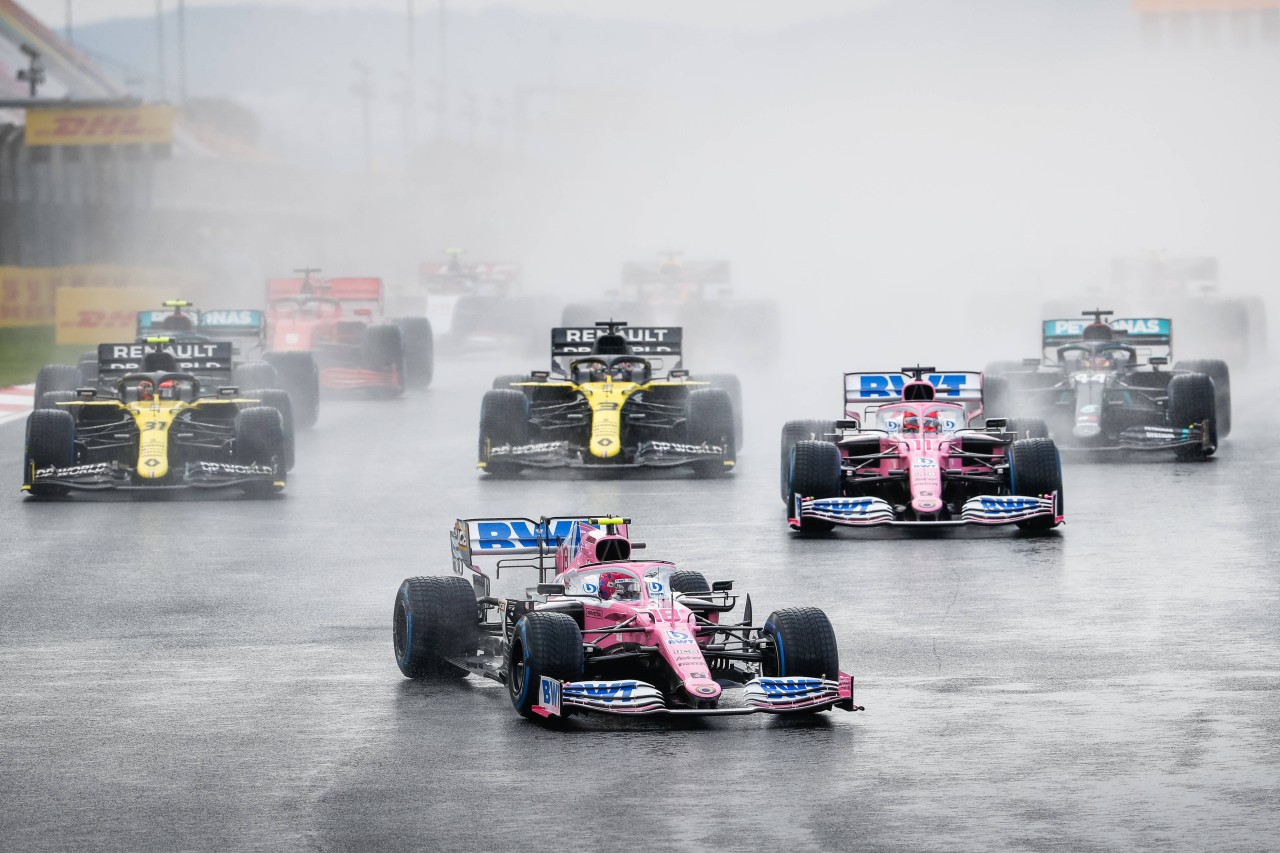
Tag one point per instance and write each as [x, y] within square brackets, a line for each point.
[518, 673]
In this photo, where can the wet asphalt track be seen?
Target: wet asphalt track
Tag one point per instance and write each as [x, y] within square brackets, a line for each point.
[217, 675]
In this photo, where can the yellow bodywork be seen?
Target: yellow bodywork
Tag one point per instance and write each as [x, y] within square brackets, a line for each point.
[606, 400]
[154, 419]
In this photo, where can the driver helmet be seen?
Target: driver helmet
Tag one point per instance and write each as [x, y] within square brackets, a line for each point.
[932, 421]
[910, 422]
[146, 389]
[609, 584]
[169, 389]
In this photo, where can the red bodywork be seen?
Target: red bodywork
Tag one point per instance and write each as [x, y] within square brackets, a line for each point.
[329, 318]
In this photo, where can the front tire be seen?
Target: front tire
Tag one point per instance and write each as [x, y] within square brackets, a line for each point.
[50, 443]
[1035, 470]
[504, 421]
[1191, 401]
[815, 473]
[259, 440]
[432, 620]
[1221, 376]
[709, 420]
[282, 403]
[544, 644]
[57, 377]
[419, 351]
[383, 352]
[793, 431]
[804, 645]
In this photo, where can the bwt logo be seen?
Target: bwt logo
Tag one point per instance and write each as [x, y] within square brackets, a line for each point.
[1008, 504]
[497, 535]
[788, 686]
[550, 693]
[890, 384]
[615, 691]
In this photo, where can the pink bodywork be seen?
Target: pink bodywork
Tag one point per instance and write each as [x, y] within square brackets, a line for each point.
[924, 450]
[659, 621]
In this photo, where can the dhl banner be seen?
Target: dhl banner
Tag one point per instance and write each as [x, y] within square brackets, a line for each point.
[95, 315]
[88, 304]
[100, 126]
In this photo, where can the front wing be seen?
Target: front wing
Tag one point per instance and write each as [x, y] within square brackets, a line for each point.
[981, 509]
[104, 476]
[564, 454]
[639, 698]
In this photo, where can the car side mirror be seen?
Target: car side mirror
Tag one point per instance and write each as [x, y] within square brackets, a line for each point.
[721, 586]
[550, 589]
[997, 424]
[1158, 360]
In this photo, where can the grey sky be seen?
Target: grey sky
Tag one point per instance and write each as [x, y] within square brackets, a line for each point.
[740, 14]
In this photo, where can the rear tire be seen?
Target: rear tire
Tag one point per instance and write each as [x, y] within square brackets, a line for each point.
[685, 581]
[815, 473]
[504, 420]
[1035, 470]
[1221, 376]
[1028, 427]
[793, 431]
[433, 619]
[300, 376]
[709, 420]
[51, 399]
[255, 374]
[281, 402]
[88, 368]
[732, 385]
[57, 377]
[383, 352]
[51, 443]
[1191, 401]
[507, 379]
[419, 351]
[544, 644]
[804, 645]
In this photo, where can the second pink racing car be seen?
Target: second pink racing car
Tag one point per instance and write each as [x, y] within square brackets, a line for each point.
[915, 448]
[602, 632]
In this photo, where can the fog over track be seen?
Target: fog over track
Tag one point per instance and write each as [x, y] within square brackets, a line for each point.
[208, 675]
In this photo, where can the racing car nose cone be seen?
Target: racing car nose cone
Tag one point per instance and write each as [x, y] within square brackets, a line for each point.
[926, 505]
[1086, 430]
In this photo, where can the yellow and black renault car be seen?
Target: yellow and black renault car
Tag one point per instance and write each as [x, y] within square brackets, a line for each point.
[161, 428]
[616, 398]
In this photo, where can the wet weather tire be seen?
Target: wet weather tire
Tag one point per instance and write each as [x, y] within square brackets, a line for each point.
[504, 421]
[688, 581]
[383, 352]
[51, 399]
[255, 374]
[815, 473]
[793, 431]
[419, 351]
[1191, 401]
[804, 645]
[543, 644]
[51, 443]
[709, 420]
[281, 402]
[57, 377]
[732, 385]
[1035, 470]
[300, 376]
[259, 440]
[433, 619]
[1221, 376]
[1027, 427]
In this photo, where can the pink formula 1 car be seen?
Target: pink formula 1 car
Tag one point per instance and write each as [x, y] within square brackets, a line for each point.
[605, 633]
[910, 451]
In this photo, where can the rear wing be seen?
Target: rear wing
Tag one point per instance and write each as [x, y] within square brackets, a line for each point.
[231, 322]
[662, 345]
[494, 271]
[200, 358]
[676, 270]
[503, 538]
[343, 289]
[1149, 336]
[865, 392]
